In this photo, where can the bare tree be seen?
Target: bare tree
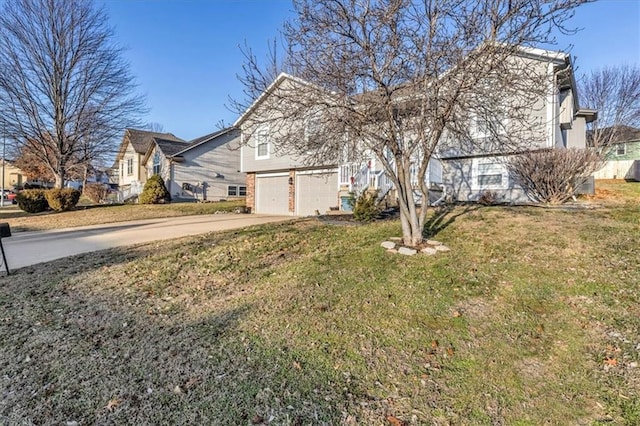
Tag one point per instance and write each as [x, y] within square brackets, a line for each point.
[64, 85]
[615, 93]
[553, 176]
[401, 80]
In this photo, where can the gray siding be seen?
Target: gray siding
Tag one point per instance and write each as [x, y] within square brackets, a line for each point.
[461, 181]
[276, 160]
[216, 162]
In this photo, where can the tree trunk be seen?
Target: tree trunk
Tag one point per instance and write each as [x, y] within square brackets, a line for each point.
[409, 216]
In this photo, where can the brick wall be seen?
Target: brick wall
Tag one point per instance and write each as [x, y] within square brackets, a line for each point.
[292, 191]
[251, 192]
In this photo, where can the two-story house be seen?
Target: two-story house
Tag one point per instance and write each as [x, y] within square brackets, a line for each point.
[281, 183]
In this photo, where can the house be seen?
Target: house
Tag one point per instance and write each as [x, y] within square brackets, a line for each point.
[622, 157]
[13, 176]
[131, 172]
[206, 168]
[281, 183]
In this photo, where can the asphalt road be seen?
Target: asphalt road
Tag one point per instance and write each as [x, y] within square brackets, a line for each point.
[30, 248]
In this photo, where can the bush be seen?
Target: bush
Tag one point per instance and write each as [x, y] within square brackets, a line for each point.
[62, 200]
[96, 192]
[488, 198]
[155, 192]
[32, 200]
[365, 207]
[554, 175]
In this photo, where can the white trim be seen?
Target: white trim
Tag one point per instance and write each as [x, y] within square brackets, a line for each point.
[259, 133]
[318, 171]
[475, 174]
[551, 101]
[271, 174]
[242, 152]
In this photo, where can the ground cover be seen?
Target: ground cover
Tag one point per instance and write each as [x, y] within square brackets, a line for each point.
[532, 318]
[100, 214]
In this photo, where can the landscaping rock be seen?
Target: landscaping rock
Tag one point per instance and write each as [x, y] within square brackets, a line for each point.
[407, 251]
[429, 251]
[396, 239]
[442, 248]
[434, 243]
[388, 244]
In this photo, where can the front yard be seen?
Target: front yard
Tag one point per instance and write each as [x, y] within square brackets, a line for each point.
[100, 214]
[532, 318]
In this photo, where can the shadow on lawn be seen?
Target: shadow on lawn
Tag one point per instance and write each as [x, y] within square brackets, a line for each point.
[115, 354]
[443, 216]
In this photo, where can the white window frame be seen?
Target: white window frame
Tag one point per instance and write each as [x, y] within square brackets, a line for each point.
[624, 149]
[478, 133]
[238, 189]
[498, 169]
[262, 139]
[130, 166]
[157, 163]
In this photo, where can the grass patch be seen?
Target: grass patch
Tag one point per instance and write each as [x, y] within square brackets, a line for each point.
[100, 214]
[532, 318]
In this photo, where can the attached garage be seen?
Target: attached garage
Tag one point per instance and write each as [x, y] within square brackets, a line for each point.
[316, 191]
[272, 194]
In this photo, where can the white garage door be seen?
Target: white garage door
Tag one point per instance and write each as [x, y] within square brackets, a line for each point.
[317, 191]
[272, 195]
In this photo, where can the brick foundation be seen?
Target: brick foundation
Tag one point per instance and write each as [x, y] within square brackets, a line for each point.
[292, 191]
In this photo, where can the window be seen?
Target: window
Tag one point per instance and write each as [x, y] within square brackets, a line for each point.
[236, 191]
[156, 163]
[621, 149]
[129, 166]
[262, 144]
[487, 174]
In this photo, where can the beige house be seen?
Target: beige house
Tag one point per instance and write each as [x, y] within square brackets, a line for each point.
[13, 176]
[129, 166]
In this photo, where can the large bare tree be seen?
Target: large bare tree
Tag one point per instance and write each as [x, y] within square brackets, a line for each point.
[614, 92]
[65, 89]
[402, 80]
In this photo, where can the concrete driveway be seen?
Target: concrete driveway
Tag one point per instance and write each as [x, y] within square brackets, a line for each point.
[30, 248]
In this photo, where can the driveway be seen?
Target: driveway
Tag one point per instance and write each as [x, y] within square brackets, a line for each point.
[30, 248]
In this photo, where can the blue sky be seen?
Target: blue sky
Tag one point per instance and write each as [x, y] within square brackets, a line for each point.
[186, 54]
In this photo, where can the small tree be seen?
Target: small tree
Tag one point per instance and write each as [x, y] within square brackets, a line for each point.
[553, 176]
[155, 191]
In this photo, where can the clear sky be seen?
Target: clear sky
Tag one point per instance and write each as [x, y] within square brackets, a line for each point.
[186, 54]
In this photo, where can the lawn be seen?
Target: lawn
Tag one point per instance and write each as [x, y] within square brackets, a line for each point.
[532, 318]
[100, 214]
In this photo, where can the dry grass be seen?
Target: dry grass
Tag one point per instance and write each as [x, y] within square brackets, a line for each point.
[533, 318]
[97, 215]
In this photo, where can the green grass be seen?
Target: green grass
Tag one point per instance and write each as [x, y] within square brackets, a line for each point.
[100, 214]
[532, 318]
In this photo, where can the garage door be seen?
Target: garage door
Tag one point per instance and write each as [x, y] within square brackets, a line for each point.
[272, 195]
[317, 191]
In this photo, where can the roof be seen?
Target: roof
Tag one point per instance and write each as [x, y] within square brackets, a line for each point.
[204, 139]
[622, 133]
[140, 140]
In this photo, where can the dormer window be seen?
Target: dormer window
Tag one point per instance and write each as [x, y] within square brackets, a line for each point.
[621, 149]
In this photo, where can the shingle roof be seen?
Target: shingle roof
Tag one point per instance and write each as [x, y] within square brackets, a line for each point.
[141, 139]
[206, 138]
[170, 147]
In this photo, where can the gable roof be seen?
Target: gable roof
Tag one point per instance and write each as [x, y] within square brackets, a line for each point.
[204, 139]
[140, 140]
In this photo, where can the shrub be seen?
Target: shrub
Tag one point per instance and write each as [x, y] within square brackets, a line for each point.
[554, 175]
[488, 198]
[96, 192]
[155, 192]
[32, 200]
[62, 200]
[366, 207]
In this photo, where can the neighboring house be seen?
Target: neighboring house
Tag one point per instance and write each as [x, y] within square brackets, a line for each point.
[13, 176]
[132, 174]
[206, 168]
[622, 157]
[279, 183]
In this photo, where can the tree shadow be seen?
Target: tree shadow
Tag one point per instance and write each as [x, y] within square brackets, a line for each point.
[443, 216]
